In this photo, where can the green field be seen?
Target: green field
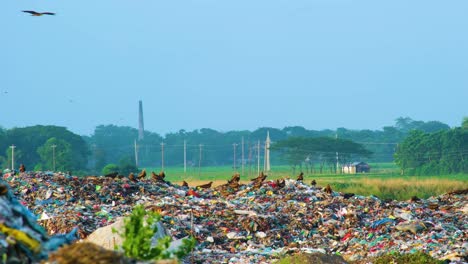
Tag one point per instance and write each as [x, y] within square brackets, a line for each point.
[384, 181]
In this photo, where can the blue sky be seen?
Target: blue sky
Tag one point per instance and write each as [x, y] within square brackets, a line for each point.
[233, 65]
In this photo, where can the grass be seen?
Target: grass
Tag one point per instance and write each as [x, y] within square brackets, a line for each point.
[306, 258]
[415, 258]
[399, 187]
[384, 182]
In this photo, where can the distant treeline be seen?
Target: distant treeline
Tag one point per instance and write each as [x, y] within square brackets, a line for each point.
[35, 146]
[443, 152]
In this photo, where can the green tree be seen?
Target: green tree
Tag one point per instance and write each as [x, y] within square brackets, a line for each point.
[28, 139]
[63, 155]
[465, 122]
[110, 143]
[434, 153]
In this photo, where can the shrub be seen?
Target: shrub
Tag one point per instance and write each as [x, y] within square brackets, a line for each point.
[109, 168]
[414, 258]
[139, 228]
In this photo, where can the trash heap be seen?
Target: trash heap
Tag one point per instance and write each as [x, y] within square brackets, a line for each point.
[22, 239]
[254, 223]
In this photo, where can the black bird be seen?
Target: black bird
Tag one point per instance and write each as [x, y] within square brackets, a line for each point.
[313, 183]
[158, 177]
[300, 177]
[132, 177]
[34, 13]
[235, 178]
[348, 195]
[142, 174]
[22, 168]
[260, 177]
[280, 183]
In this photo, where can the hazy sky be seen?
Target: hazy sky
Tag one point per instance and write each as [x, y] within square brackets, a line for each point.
[233, 65]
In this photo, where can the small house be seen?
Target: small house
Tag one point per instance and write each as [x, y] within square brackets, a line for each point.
[355, 167]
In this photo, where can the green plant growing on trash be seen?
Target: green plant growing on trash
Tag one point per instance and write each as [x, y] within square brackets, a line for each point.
[414, 258]
[139, 228]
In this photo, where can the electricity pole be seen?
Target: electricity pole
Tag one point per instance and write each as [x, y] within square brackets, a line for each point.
[258, 157]
[242, 156]
[12, 157]
[199, 160]
[250, 158]
[336, 137]
[162, 156]
[136, 154]
[234, 157]
[185, 157]
[53, 156]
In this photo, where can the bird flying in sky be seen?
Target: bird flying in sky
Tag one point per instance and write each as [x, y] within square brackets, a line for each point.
[34, 13]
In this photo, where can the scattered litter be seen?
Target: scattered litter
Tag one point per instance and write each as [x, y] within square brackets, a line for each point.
[251, 223]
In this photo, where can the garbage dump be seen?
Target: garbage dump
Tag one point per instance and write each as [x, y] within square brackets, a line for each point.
[22, 239]
[251, 223]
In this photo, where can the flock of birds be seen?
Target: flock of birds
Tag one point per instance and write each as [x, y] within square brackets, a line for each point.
[233, 183]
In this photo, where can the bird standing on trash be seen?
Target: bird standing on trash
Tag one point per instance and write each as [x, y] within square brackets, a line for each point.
[328, 189]
[300, 177]
[184, 184]
[158, 177]
[132, 177]
[34, 13]
[22, 168]
[260, 177]
[142, 174]
[257, 182]
[280, 183]
[313, 183]
[235, 178]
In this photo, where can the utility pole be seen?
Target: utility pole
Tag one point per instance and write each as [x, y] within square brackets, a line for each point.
[136, 154]
[12, 157]
[185, 157]
[234, 157]
[242, 156]
[336, 137]
[266, 157]
[250, 158]
[258, 157]
[199, 160]
[53, 156]
[162, 156]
